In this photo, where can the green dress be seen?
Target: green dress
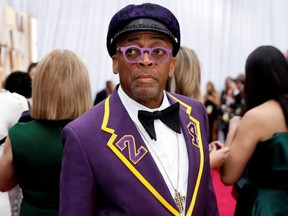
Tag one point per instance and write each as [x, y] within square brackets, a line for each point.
[37, 152]
[265, 192]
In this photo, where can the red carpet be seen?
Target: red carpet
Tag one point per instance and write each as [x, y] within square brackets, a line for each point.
[226, 202]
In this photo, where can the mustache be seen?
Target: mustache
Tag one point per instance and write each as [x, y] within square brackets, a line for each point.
[145, 72]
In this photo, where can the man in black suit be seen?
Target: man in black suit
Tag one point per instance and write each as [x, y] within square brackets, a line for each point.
[101, 95]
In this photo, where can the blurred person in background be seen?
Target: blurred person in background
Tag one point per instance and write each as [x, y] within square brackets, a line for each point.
[227, 105]
[11, 108]
[33, 150]
[21, 83]
[31, 70]
[286, 55]
[211, 100]
[17, 82]
[104, 93]
[238, 92]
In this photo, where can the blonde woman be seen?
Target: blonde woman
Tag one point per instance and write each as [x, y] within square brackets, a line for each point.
[33, 150]
[187, 77]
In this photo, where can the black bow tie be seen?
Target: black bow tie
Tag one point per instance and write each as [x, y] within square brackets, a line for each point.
[169, 116]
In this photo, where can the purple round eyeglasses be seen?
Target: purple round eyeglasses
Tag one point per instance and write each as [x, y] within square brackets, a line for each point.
[134, 54]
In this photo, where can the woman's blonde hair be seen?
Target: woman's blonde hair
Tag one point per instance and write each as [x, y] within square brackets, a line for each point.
[61, 88]
[187, 76]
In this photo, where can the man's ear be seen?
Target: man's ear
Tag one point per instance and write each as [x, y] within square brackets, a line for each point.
[115, 64]
[172, 66]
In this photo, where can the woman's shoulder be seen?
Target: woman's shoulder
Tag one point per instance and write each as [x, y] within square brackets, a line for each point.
[268, 118]
[268, 108]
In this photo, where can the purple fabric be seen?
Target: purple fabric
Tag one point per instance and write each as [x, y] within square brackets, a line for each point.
[95, 181]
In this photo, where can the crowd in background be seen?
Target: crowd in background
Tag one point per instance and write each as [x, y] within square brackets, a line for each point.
[222, 106]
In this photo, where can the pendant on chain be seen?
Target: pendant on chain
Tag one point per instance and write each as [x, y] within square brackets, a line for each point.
[179, 201]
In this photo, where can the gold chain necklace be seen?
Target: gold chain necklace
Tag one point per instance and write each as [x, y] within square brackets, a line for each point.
[178, 198]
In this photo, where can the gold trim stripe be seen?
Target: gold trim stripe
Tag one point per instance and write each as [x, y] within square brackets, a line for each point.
[201, 164]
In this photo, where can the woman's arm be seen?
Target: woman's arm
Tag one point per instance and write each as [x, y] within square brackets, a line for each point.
[242, 139]
[7, 174]
[258, 124]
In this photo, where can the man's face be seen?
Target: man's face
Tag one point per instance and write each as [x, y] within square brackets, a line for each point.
[144, 81]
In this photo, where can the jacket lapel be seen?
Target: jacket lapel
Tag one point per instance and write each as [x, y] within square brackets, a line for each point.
[192, 133]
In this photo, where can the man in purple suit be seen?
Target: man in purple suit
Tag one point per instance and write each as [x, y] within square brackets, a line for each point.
[142, 151]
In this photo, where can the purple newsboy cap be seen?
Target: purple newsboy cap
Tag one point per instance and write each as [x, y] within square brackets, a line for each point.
[143, 17]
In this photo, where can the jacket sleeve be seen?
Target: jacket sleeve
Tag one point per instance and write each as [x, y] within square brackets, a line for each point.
[211, 208]
[77, 186]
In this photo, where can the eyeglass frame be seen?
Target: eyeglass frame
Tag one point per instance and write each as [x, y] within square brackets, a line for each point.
[145, 49]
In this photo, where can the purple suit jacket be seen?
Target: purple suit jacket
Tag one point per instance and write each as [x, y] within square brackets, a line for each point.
[108, 170]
